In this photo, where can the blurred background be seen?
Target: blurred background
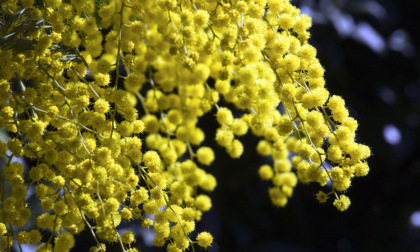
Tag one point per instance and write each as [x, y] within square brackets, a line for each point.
[370, 49]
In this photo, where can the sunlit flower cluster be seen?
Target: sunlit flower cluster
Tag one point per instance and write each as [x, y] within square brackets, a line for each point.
[104, 97]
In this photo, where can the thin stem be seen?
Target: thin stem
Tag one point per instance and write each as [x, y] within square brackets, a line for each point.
[119, 46]
[190, 150]
[14, 234]
[84, 218]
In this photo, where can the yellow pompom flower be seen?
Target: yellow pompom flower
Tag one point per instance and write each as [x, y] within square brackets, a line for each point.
[265, 172]
[203, 203]
[361, 169]
[315, 71]
[152, 161]
[64, 242]
[111, 205]
[102, 79]
[101, 106]
[34, 236]
[239, 127]
[208, 183]
[286, 21]
[204, 239]
[139, 196]
[134, 82]
[278, 197]
[321, 197]
[342, 203]
[58, 182]
[127, 237]
[235, 149]
[137, 126]
[3, 229]
[287, 178]
[315, 98]
[224, 137]
[264, 148]
[224, 116]
[205, 155]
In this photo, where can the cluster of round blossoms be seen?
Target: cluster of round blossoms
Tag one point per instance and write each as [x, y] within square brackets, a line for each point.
[103, 99]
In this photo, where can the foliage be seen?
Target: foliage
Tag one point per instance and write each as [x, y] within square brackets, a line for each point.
[104, 98]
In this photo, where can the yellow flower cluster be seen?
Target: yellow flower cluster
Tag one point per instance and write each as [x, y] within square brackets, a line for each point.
[105, 97]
